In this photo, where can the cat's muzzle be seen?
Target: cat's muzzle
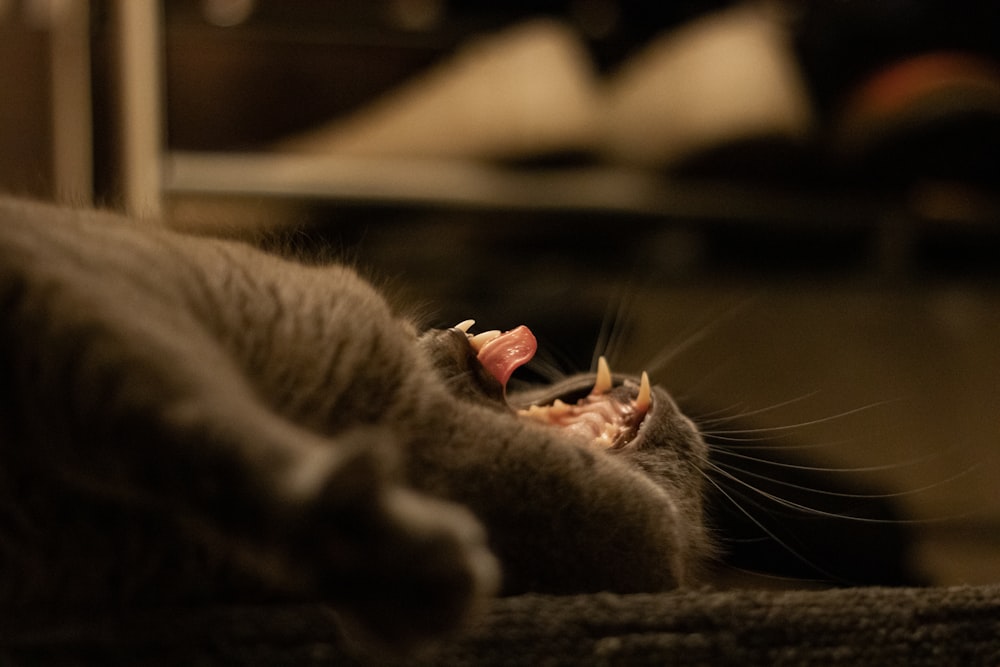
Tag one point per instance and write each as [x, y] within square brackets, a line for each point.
[606, 410]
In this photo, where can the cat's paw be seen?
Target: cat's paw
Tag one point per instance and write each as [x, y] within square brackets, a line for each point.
[401, 567]
[424, 570]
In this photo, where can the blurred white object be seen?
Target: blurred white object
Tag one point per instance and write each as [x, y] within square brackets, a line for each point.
[227, 13]
[529, 90]
[726, 77]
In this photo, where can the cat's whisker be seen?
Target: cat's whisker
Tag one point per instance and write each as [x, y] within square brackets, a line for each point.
[731, 471]
[803, 424]
[812, 511]
[707, 419]
[767, 531]
[696, 392]
[799, 507]
[749, 440]
[731, 412]
[898, 465]
[695, 334]
[609, 338]
[727, 469]
[549, 371]
[758, 444]
[797, 581]
[547, 365]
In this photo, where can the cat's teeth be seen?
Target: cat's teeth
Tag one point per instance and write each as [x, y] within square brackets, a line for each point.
[603, 383]
[479, 340]
[558, 407]
[642, 401]
[536, 412]
[464, 326]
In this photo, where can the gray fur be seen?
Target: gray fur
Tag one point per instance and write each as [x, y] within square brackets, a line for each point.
[187, 420]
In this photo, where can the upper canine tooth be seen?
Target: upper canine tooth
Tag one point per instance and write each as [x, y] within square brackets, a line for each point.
[464, 326]
[603, 382]
[642, 401]
[479, 340]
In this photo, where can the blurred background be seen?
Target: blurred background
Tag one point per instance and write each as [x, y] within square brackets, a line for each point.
[787, 211]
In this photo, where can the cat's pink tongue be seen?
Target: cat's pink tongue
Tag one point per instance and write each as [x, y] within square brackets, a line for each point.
[507, 352]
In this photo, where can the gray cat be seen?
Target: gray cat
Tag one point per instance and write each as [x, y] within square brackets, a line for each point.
[186, 421]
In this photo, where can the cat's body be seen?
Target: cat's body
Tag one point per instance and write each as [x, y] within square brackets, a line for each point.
[186, 420]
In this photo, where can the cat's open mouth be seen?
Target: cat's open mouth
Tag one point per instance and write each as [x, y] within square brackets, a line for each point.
[606, 412]
[608, 415]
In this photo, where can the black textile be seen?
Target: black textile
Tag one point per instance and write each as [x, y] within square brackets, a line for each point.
[861, 626]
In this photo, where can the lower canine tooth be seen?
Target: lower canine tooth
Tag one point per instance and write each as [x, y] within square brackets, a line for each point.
[464, 326]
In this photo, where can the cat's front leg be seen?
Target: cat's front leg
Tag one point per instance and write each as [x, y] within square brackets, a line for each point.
[325, 518]
[399, 565]
[168, 429]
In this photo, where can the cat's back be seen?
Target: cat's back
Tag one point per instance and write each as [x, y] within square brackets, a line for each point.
[80, 245]
[33, 226]
[289, 327]
[47, 242]
[102, 258]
